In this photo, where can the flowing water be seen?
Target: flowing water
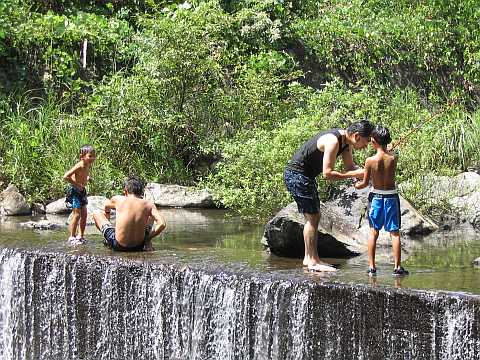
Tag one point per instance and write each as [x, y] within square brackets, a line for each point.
[209, 291]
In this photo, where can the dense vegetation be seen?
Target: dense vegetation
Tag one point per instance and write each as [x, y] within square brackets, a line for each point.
[221, 93]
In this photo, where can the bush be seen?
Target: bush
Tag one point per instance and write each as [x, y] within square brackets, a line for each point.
[250, 176]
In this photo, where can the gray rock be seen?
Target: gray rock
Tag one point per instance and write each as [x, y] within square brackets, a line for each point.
[95, 203]
[178, 196]
[476, 262]
[343, 227]
[458, 186]
[284, 236]
[458, 198]
[57, 207]
[13, 203]
[38, 208]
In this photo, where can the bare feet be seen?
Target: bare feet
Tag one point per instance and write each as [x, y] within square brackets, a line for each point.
[321, 267]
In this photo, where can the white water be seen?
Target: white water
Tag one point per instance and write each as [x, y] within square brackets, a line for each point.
[58, 306]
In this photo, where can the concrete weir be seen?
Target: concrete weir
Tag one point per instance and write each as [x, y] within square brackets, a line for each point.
[64, 306]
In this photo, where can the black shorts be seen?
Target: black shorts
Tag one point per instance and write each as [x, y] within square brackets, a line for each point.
[304, 191]
[109, 239]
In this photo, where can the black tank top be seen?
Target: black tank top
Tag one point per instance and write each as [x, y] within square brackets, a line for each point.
[308, 160]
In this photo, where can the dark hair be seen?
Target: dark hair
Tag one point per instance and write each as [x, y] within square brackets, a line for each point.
[381, 135]
[363, 128]
[134, 185]
[86, 149]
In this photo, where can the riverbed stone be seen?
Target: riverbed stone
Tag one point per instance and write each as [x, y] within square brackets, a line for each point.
[57, 207]
[13, 203]
[41, 225]
[343, 219]
[178, 196]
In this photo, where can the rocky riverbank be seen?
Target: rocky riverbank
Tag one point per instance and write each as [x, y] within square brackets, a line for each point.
[13, 203]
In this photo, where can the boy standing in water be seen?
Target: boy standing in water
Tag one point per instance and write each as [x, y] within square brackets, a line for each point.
[76, 198]
[134, 215]
[383, 201]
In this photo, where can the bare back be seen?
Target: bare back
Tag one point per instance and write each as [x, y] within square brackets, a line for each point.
[132, 216]
[382, 168]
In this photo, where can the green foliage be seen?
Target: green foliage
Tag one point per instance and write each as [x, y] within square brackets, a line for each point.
[250, 176]
[390, 43]
[45, 48]
[226, 91]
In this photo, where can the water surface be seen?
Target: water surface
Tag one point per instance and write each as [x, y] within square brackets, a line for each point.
[221, 242]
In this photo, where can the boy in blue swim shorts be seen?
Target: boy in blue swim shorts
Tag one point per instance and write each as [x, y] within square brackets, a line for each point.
[383, 201]
[76, 196]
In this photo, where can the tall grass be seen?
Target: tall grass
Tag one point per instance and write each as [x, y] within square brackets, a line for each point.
[39, 142]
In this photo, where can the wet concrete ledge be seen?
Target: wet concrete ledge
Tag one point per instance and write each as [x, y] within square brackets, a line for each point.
[62, 306]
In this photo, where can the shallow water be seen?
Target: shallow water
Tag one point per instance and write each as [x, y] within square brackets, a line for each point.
[214, 239]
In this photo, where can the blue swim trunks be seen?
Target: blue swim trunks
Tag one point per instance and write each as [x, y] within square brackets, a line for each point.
[75, 198]
[384, 211]
[304, 191]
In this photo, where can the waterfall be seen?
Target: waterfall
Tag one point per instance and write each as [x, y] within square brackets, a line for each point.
[62, 306]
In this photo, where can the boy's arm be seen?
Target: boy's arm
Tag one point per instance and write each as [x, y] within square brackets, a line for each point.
[366, 177]
[68, 176]
[329, 159]
[159, 220]
[351, 169]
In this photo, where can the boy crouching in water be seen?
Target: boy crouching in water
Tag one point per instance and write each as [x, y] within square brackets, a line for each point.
[76, 196]
[134, 215]
[383, 201]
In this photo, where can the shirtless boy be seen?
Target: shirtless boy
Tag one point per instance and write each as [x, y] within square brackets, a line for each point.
[383, 201]
[134, 215]
[76, 198]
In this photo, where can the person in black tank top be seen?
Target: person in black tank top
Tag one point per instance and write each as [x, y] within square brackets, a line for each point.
[318, 156]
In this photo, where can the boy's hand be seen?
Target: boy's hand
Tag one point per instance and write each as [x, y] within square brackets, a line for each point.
[359, 185]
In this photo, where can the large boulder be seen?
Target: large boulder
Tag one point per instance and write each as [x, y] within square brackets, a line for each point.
[57, 207]
[178, 196]
[343, 227]
[13, 203]
[284, 235]
[458, 198]
[95, 203]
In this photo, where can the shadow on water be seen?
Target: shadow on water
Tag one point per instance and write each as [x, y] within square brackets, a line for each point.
[215, 240]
